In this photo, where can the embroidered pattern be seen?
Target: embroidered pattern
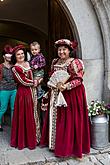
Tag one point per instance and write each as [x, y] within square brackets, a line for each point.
[25, 83]
[77, 71]
[53, 117]
[37, 121]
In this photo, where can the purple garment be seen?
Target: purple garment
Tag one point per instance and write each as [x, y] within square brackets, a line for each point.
[38, 60]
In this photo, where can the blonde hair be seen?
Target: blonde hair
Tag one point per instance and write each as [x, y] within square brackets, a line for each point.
[35, 43]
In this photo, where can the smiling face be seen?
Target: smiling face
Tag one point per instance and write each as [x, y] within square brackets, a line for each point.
[20, 56]
[35, 49]
[7, 57]
[63, 52]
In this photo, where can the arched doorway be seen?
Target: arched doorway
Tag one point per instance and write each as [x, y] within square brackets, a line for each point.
[14, 31]
[58, 25]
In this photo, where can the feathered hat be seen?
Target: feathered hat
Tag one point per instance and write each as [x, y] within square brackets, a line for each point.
[18, 47]
[7, 50]
[72, 45]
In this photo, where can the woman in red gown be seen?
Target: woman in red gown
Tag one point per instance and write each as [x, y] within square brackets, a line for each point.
[23, 131]
[66, 128]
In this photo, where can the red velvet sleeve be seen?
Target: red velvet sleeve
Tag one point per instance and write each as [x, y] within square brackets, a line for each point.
[22, 77]
[77, 67]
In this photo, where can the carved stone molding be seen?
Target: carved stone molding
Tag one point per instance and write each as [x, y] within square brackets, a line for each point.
[102, 9]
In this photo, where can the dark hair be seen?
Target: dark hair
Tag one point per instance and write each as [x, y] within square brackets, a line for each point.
[3, 52]
[65, 45]
[72, 51]
[73, 54]
[13, 57]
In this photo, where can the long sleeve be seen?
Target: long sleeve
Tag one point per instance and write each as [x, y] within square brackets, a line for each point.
[77, 70]
[42, 61]
[1, 66]
[38, 60]
[22, 77]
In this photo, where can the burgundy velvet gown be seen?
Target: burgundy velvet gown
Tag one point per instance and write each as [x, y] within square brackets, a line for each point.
[23, 131]
[68, 126]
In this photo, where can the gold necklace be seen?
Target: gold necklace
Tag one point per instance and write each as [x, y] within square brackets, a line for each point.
[63, 61]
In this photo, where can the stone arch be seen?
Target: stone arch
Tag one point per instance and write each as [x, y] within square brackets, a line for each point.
[14, 32]
[72, 23]
[92, 45]
[23, 32]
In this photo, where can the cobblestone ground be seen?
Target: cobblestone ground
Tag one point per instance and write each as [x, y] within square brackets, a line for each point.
[12, 156]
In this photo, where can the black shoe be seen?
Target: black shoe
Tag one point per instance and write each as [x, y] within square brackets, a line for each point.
[1, 129]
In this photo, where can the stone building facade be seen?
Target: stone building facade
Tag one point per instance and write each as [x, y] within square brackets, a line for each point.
[92, 21]
[89, 21]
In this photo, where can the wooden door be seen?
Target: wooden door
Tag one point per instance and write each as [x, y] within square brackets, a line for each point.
[58, 27]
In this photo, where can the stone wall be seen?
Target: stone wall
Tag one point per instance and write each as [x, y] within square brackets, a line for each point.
[91, 18]
[102, 8]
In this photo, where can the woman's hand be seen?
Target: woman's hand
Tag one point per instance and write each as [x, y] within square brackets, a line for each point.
[61, 86]
[35, 83]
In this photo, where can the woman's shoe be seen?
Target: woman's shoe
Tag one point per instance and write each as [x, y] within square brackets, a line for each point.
[1, 129]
